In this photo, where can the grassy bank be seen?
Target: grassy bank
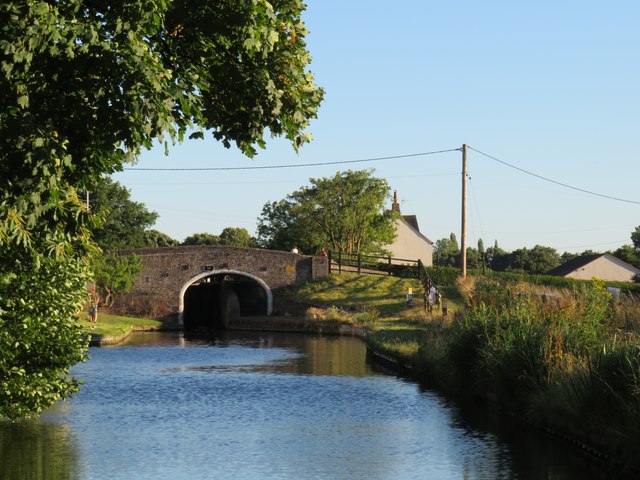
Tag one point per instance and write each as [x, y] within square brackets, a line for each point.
[116, 325]
[378, 304]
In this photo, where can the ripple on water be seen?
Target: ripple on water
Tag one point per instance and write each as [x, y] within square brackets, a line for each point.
[266, 407]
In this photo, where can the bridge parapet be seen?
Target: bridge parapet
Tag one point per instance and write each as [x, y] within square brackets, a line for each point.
[167, 270]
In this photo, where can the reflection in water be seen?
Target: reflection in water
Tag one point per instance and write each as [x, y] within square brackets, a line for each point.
[32, 450]
[263, 406]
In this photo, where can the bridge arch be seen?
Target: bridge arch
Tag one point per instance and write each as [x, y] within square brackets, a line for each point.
[213, 273]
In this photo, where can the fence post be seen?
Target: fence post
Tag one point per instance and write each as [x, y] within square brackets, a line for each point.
[339, 261]
[359, 264]
[389, 265]
[329, 260]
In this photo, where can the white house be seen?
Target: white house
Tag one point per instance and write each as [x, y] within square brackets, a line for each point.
[410, 244]
[602, 266]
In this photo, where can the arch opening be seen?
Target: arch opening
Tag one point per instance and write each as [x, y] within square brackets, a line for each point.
[212, 300]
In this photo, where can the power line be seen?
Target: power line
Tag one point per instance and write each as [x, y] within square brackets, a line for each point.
[297, 165]
[375, 159]
[263, 182]
[554, 181]
[593, 245]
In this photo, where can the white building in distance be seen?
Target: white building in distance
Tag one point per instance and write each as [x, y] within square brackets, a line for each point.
[410, 244]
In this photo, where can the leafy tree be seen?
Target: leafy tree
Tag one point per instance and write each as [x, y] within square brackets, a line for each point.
[344, 213]
[538, 259]
[632, 256]
[84, 87]
[474, 260]
[115, 274]
[154, 238]
[630, 253]
[567, 256]
[447, 252]
[481, 250]
[40, 337]
[123, 222]
[497, 258]
[279, 229]
[635, 238]
[627, 253]
[202, 239]
[482, 253]
[237, 237]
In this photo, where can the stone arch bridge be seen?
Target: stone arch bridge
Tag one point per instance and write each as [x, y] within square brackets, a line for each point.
[206, 285]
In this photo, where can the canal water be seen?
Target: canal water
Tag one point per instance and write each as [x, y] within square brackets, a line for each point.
[266, 406]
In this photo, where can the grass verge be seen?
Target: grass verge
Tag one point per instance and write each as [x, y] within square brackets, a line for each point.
[378, 305]
[116, 325]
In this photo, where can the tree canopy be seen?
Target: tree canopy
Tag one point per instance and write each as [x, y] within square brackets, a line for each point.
[155, 238]
[85, 86]
[202, 239]
[236, 236]
[344, 213]
[631, 253]
[122, 223]
[233, 236]
[279, 229]
[538, 259]
[115, 274]
[447, 251]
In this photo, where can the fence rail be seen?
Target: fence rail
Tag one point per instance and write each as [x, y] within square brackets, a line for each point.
[373, 265]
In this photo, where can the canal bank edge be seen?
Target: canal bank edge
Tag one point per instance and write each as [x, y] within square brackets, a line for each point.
[264, 324]
[97, 340]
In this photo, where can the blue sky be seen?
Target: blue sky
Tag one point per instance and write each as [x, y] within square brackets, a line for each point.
[548, 87]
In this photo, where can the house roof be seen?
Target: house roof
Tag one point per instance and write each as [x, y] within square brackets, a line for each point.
[581, 261]
[574, 264]
[412, 222]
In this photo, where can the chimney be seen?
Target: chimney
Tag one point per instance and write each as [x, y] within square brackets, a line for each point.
[395, 206]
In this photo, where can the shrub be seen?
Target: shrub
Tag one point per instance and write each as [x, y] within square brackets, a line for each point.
[443, 276]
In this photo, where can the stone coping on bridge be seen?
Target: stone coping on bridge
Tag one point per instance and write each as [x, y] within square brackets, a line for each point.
[186, 248]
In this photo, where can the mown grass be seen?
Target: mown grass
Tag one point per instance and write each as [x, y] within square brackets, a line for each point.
[116, 325]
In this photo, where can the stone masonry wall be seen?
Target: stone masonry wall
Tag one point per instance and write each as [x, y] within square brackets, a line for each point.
[167, 270]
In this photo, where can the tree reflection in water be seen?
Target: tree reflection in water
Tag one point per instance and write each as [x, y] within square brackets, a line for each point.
[32, 450]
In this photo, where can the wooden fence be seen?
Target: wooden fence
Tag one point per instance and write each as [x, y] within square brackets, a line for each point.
[396, 267]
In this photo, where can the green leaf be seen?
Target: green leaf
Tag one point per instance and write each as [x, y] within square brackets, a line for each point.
[23, 101]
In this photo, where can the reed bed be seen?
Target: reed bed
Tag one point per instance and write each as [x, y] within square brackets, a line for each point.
[567, 360]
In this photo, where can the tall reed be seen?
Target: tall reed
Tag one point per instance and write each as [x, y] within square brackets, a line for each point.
[561, 358]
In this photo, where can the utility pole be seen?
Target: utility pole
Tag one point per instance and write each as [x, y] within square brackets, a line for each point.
[463, 234]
